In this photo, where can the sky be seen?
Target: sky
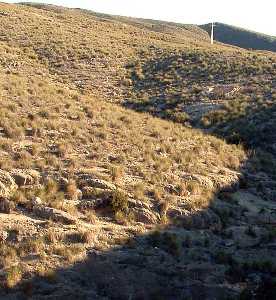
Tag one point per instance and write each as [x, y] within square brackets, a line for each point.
[250, 14]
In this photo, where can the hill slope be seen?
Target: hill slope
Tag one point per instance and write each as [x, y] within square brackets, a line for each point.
[241, 37]
[94, 194]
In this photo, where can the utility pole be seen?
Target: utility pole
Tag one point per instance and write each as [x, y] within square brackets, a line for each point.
[212, 33]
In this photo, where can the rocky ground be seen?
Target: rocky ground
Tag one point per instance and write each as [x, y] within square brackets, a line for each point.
[48, 253]
[101, 202]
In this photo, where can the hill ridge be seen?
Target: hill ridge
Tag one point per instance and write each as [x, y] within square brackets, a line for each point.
[241, 37]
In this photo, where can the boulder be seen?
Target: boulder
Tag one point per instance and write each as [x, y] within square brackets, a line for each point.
[93, 204]
[89, 180]
[145, 216]
[7, 184]
[202, 180]
[6, 206]
[133, 203]
[78, 195]
[63, 182]
[175, 212]
[226, 180]
[36, 201]
[89, 192]
[53, 214]
[102, 184]
[25, 177]
[200, 219]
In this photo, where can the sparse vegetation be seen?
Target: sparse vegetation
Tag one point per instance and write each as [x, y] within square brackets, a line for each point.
[119, 204]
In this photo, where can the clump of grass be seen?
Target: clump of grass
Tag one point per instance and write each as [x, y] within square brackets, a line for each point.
[19, 197]
[223, 257]
[8, 255]
[124, 217]
[62, 150]
[157, 193]
[23, 160]
[34, 245]
[6, 164]
[89, 112]
[69, 253]
[251, 232]
[51, 194]
[34, 150]
[166, 241]
[119, 201]
[163, 207]
[139, 191]
[13, 276]
[49, 275]
[86, 236]
[116, 172]
[52, 236]
[71, 189]
[91, 217]
[13, 132]
[80, 237]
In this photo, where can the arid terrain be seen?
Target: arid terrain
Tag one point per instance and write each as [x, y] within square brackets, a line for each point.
[137, 160]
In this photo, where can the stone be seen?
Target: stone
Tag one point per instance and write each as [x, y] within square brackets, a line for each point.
[228, 182]
[202, 180]
[78, 194]
[25, 177]
[145, 216]
[201, 219]
[7, 184]
[89, 192]
[102, 184]
[6, 206]
[93, 204]
[175, 212]
[63, 182]
[53, 214]
[3, 236]
[36, 201]
[91, 181]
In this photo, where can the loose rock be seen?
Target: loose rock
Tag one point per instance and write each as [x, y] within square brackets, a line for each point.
[7, 184]
[53, 214]
[25, 177]
[6, 206]
[3, 236]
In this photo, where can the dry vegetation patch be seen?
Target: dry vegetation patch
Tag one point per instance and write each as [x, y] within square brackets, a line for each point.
[87, 185]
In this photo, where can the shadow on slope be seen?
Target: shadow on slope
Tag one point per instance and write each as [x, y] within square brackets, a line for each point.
[167, 84]
[252, 124]
[214, 253]
[209, 254]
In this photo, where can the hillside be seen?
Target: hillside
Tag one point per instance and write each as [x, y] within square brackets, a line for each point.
[241, 37]
[99, 201]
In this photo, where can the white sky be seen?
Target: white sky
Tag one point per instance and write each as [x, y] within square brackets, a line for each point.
[251, 14]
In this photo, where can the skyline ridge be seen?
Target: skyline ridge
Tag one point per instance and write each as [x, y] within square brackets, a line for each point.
[233, 13]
